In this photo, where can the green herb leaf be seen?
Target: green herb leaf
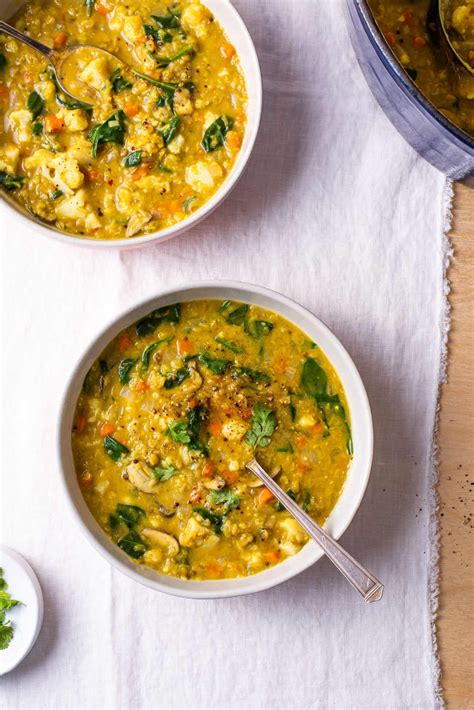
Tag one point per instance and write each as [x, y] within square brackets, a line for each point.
[118, 82]
[6, 603]
[35, 104]
[306, 500]
[133, 159]
[167, 22]
[228, 345]
[114, 521]
[165, 472]
[150, 349]
[187, 204]
[280, 506]
[114, 448]
[166, 61]
[10, 182]
[37, 128]
[151, 31]
[225, 497]
[73, 105]
[177, 378]
[252, 375]
[133, 545]
[125, 368]
[206, 514]
[90, 4]
[216, 365]
[196, 419]
[167, 314]
[178, 431]
[258, 328]
[238, 316]
[224, 306]
[313, 378]
[335, 407]
[160, 84]
[111, 131]
[6, 635]
[263, 424]
[286, 449]
[168, 131]
[56, 195]
[130, 514]
[214, 135]
[3, 62]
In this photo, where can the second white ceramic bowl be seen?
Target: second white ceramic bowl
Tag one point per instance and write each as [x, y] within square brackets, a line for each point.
[236, 31]
[358, 475]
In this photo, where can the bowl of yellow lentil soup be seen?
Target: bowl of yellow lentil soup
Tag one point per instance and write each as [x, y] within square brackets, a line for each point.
[168, 404]
[170, 132]
[428, 98]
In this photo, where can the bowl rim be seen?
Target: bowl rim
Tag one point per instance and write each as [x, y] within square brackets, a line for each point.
[236, 586]
[378, 41]
[253, 81]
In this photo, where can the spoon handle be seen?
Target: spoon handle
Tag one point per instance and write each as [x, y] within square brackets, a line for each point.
[366, 584]
[33, 43]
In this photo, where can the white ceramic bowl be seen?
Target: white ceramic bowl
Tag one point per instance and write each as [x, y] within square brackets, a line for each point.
[358, 474]
[235, 29]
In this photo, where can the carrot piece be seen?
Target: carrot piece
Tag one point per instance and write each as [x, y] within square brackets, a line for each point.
[81, 422]
[4, 92]
[142, 171]
[60, 39]
[391, 40]
[141, 386]
[174, 207]
[419, 42]
[317, 428]
[215, 428]
[102, 9]
[124, 342]
[264, 496]
[272, 556]
[228, 50]
[131, 109]
[233, 140]
[107, 428]
[86, 479]
[300, 439]
[93, 175]
[183, 346]
[53, 124]
[230, 477]
[408, 18]
[193, 403]
[208, 469]
[213, 568]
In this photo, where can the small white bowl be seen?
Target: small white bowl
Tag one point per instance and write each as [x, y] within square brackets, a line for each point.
[357, 478]
[236, 31]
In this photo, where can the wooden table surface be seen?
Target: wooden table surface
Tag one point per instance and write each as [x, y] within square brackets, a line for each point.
[456, 475]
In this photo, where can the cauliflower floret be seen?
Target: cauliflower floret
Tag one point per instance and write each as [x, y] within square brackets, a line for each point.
[74, 207]
[92, 222]
[133, 28]
[193, 533]
[182, 102]
[234, 429]
[96, 73]
[9, 155]
[20, 125]
[176, 144]
[75, 119]
[80, 150]
[291, 531]
[125, 200]
[117, 18]
[60, 168]
[46, 90]
[196, 18]
[201, 175]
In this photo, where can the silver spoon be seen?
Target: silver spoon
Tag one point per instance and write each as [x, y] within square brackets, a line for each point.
[56, 58]
[365, 583]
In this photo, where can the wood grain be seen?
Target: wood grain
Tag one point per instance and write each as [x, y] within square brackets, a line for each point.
[456, 482]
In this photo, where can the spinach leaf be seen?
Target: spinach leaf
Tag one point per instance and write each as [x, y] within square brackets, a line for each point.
[258, 328]
[238, 316]
[263, 424]
[178, 432]
[213, 518]
[118, 82]
[37, 128]
[114, 448]
[35, 104]
[167, 22]
[125, 368]
[252, 375]
[335, 406]
[56, 195]
[214, 135]
[90, 4]
[225, 497]
[73, 105]
[114, 521]
[164, 472]
[130, 514]
[133, 159]
[160, 84]
[167, 314]
[151, 31]
[166, 61]
[168, 131]
[228, 345]
[313, 378]
[177, 378]
[280, 506]
[306, 500]
[224, 306]
[216, 365]
[133, 545]
[150, 349]
[196, 418]
[111, 131]
[10, 182]
[292, 409]
[187, 204]
[3, 62]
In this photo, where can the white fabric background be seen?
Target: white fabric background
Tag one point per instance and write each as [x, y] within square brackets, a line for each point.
[336, 211]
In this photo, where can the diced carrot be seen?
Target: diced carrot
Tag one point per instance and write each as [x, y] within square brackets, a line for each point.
[213, 568]
[107, 428]
[317, 428]
[193, 403]
[227, 50]
[264, 496]
[4, 92]
[102, 9]
[419, 42]
[86, 479]
[408, 18]
[60, 39]
[132, 109]
[300, 439]
[391, 40]
[81, 422]
[233, 140]
[93, 175]
[208, 469]
[53, 124]
[230, 477]
[142, 171]
[215, 428]
[142, 39]
[183, 346]
[280, 366]
[174, 207]
[272, 556]
[141, 386]
[124, 342]
[301, 466]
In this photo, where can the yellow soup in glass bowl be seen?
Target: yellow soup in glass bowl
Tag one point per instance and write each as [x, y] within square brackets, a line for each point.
[165, 127]
[170, 413]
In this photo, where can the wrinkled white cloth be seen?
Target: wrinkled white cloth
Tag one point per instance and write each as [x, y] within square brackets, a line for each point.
[336, 211]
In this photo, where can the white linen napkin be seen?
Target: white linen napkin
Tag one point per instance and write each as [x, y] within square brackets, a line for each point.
[336, 211]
